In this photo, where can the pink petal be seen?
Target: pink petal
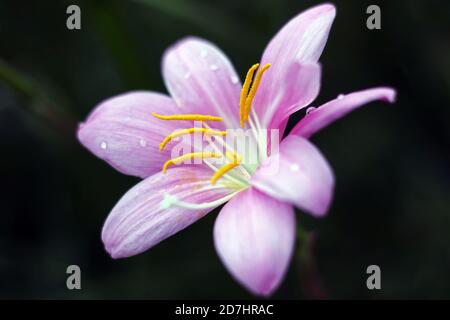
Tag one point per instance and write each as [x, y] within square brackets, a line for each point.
[337, 108]
[301, 88]
[202, 80]
[254, 236]
[138, 222]
[298, 174]
[301, 40]
[123, 132]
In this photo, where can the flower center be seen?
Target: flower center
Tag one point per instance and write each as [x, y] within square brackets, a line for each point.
[235, 173]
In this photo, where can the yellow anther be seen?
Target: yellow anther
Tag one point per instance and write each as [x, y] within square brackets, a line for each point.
[244, 91]
[254, 88]
[235, 161]
[222, 170]
[181, 132]
[252, 93]
[233, 157]
[189, 156]
[193, 117]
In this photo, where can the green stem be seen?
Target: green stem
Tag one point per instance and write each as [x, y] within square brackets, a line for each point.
[312, 286]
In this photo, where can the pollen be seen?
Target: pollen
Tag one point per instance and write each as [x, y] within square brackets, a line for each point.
[193, 117]
[244, 91]
[181, 132]
[189, 156]
[247, 96]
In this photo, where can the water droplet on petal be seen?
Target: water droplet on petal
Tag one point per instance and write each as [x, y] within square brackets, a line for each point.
[341, 96]
[310, 109]
[143, 143]
[187, 75]
[177, 101]
[203, 53]
[294, 167]
[214, 67]
[103, 145]
[234, 79]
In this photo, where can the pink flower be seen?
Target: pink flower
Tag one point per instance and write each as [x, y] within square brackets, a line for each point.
[254, 233]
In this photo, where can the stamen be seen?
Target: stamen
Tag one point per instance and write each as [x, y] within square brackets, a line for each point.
[252, 93]
[244, 91]
[181, 132]
[189, 156]
[227, 167]
[233, 157]
[219, 173]
[193, 117]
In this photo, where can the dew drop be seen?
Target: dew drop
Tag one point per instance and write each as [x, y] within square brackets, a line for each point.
[310, 109]
[103, 145]
[214, 67]
[341, 96]
[294, 167]
[234, 79]
[177, 101]
[143, 143]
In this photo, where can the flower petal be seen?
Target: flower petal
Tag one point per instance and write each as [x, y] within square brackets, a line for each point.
[138, 221]
[301, 40]
[123, 132]
[337, 108]
[254, 236]
[302, 87]
[202, 80]
[298, 174]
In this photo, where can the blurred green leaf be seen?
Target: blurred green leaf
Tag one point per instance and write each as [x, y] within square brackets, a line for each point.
[16, 80]
[40, 106]
[207, 17]
[120, 42]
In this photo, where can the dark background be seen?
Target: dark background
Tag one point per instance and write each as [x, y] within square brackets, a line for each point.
[392, 200]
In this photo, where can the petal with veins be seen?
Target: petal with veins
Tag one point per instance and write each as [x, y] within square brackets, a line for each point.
[298, 174]
[301, 40]
[202, 80]
[254, 236]
[337, 108]
[302, 85]
[139, 221]
[123, 132]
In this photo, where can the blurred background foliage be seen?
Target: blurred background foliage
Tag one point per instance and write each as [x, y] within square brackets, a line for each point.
[392, 201]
